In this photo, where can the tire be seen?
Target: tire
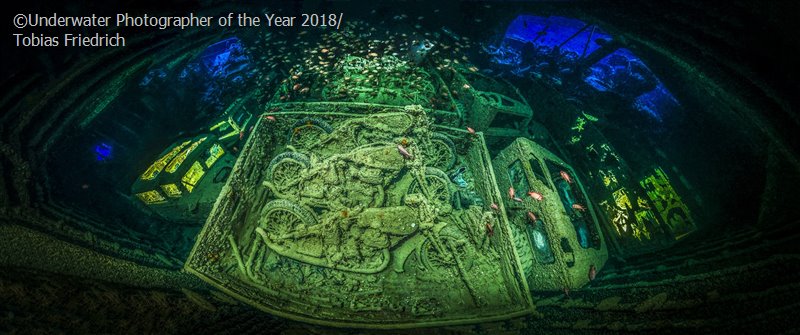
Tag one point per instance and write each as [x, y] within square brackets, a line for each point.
[442, 154]
[282, 216]
[432, 260]
[286, 167]
[524, 249]
[307, 131]
[442, 186]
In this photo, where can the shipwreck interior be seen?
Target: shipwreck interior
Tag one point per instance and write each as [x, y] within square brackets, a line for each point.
[457, 168]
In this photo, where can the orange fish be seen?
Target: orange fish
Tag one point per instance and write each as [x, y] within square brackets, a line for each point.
[532, 216]
[566, 176]
[592, 272]
[511, 192]
[270, 117]
[536, 195]
[489, 229]
[471, 131]
[494, 207]
[241, 134]
[579, 207]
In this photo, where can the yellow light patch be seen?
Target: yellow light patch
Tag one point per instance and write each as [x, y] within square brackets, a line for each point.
[192, 176]
[608, 178]
[159, 164]
[175, 163]
[623, 222]
[214, 153]
[151, 197]
[621, 198]
[171, 190]
[674, 213]
[643, 216]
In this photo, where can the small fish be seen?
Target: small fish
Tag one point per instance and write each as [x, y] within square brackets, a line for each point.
[592, 272]
[494, 207]
[489, 229]
[511, 192]
[403, 152]
[532, 217]
[466, 86]
[304, 90]
[579, 207]
[536, 195]
[471, 131]
[517, 199]
[241, 134]
[296, 87]
[270, 117]
[566, 176]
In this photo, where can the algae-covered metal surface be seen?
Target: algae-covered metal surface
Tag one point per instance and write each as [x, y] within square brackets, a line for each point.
[341, 214]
